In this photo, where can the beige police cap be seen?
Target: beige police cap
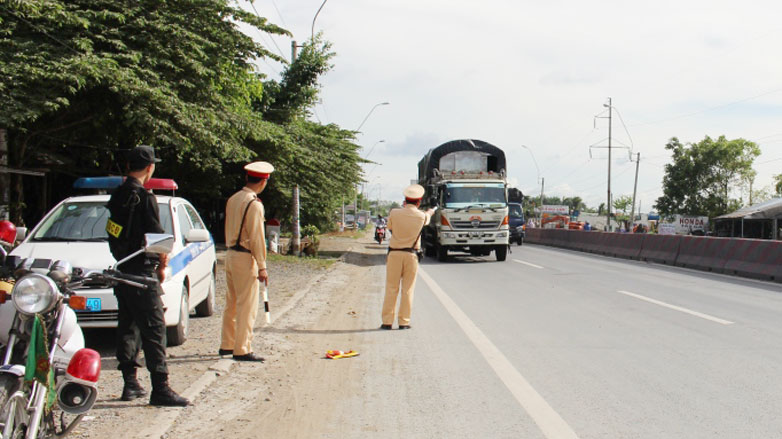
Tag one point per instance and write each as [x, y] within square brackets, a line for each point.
[259, 169]
[414, 192]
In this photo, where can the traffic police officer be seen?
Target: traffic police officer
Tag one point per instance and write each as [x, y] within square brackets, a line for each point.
[245, 263]
[405, 225]
[140, 323]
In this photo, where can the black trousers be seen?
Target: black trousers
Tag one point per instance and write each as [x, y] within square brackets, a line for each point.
[140, 325]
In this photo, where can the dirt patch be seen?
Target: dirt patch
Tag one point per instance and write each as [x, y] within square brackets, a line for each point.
[289, 277]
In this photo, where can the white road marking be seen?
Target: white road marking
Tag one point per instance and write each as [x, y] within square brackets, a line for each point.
[527, 263]
[550, 423]
[677, 308]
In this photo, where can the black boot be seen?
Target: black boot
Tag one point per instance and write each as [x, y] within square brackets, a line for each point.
[132, 388]
[163, 395]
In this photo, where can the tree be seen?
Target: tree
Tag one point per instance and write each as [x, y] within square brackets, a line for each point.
[701, 176]
[83, 80]
[623, 203]
[778, 185]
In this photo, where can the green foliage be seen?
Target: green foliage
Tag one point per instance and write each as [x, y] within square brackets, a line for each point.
[310, 230]
[778, 185]
[700, 179]
[623, 203]
[84, 80]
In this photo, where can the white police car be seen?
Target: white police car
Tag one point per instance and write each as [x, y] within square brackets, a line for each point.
[75, 231]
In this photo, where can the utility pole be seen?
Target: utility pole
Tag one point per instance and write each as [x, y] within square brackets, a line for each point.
[608, 207]
[296, 240]
[542, 182]
[635, 188]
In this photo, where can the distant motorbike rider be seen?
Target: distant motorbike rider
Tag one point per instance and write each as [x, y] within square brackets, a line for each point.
[134, 212]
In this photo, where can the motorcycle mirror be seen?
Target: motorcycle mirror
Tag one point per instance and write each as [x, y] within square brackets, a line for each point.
[159, 243]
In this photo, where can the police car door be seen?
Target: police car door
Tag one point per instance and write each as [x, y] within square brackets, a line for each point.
[199, 268]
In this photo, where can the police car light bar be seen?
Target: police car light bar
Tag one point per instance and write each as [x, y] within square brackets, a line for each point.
[165, 184]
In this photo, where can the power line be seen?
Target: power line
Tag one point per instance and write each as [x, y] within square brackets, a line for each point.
[270, 37]
[38, 28]
[282, 20]
[706, 110]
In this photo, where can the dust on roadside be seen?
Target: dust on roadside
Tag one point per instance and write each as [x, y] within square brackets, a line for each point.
[291, 395]
[288, 275]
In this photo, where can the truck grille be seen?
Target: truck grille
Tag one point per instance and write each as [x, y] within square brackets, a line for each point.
[99, 316]
[481, 225]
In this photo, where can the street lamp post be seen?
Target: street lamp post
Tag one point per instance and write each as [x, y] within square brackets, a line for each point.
[372, 148]
[315, 18]
[540, 179]
[368, 114]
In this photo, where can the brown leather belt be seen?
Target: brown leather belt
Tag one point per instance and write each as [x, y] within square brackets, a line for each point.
[239, 248]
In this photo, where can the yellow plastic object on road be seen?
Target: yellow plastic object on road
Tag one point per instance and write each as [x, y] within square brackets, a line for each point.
[336, 355]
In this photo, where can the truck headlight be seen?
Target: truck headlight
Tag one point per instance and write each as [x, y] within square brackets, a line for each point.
[502, 234]
[35, 293]
[448, 236]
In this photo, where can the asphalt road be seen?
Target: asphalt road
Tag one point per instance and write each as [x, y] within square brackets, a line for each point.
[554, 343]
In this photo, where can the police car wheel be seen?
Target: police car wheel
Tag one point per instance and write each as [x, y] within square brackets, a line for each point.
[177, 334]
[207, 307]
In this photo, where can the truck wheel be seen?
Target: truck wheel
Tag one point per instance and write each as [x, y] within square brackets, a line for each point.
[520, 240]
[501, 252]
[442, 253]
[429, 251]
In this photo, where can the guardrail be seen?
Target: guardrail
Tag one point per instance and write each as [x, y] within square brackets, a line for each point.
[752, 258]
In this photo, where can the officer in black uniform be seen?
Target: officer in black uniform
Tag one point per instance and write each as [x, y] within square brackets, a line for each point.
[134, 212]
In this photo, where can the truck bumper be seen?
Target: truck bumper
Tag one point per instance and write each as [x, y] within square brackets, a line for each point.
[464, 238]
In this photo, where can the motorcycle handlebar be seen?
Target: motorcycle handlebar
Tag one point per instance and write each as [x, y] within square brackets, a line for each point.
[143, 282]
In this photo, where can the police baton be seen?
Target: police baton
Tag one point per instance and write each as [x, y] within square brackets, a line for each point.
[266, 304]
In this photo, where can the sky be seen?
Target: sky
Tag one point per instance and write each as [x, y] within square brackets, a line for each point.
[533, 77]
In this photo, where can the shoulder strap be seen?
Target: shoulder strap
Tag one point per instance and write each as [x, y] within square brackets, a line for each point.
[241, 226]
[421, 232]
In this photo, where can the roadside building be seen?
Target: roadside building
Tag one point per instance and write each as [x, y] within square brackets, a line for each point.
[759, 221]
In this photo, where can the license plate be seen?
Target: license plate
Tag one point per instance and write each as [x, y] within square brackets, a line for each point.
[93, 305]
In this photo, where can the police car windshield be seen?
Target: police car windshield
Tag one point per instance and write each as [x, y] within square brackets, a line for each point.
[85, 222]
[461, 195]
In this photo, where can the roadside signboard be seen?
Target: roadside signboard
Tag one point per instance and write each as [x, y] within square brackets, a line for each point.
[684, 225]
[557, 209]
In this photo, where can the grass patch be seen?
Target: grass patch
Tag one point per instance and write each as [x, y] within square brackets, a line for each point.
[353, 234]
[291, 259]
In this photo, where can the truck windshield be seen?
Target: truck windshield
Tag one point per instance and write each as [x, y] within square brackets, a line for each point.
[460, 195]
[85, 221]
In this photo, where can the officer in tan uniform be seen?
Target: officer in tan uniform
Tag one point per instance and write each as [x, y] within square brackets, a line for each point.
[245, 263]
[405, 225]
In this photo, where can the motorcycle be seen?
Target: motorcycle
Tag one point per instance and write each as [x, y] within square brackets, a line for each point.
[380, 233]
[46, 369]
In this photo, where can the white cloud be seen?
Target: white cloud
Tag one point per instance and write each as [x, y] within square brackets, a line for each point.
[536, 74]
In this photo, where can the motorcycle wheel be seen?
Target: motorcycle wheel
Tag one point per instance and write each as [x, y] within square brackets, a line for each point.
[9, 384]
